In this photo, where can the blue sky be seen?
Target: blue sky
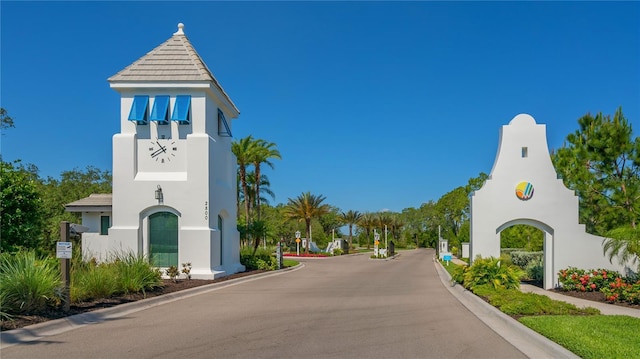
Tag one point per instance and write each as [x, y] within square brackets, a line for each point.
[375, 105]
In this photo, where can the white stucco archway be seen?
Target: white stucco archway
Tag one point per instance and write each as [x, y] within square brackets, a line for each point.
[523, 188]
[547, 258]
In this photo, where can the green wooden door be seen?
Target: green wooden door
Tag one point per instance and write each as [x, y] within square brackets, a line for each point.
[163, 239]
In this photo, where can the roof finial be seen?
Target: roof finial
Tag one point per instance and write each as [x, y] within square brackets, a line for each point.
[180, 31]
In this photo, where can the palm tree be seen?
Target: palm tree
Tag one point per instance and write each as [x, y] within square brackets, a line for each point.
[305, 207]
[257, 229]
[350, 218]
[264, 189]
[623, 243]
[263, 152]
[396, 226]
[243, 150]
[368, 223]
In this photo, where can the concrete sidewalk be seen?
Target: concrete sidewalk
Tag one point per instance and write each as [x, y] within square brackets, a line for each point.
[604, 308]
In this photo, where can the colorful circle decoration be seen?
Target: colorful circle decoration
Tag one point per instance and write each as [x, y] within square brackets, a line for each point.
[524, 190]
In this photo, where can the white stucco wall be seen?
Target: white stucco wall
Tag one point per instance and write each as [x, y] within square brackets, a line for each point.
[198, 183]
[553, 208]
[94, 245]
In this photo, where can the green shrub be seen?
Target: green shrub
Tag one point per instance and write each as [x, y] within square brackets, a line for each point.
[514, 302]
[454, 250]
[508, 251]
[535, 270]
[491, 271]
[172, 272]
[262, 260]
[458, 273]
[135, 273]
[4, 315]
[186, 270]
[93, 281]
[28, 284]
[522, 259]
[505, 259]
[337, 252]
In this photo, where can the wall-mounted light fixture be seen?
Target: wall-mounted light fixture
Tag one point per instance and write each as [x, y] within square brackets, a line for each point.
[159, 196]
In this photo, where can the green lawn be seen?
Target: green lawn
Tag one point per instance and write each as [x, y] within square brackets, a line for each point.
[450, 268]
[595, 336]
[289, 263]
[580, 331]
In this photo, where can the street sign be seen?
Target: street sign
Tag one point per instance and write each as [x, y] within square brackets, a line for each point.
[447, 257]
[63, 250]
[297, 240]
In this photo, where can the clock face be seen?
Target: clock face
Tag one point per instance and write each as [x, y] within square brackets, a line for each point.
[163, 151]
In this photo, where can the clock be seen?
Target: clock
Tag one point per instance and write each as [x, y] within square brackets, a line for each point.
[163, 151]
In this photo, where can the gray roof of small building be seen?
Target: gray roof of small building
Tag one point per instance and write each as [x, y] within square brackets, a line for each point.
[99, 202]
[175, 60]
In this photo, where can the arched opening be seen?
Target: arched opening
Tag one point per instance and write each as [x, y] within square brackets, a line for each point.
[523, 237]
[163, 239]
[528, 235]
[524, 245]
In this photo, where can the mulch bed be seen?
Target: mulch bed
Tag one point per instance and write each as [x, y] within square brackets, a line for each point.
[169, 286]
[594, 296]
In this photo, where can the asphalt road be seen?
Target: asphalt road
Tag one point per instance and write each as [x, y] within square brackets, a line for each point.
[342, 307]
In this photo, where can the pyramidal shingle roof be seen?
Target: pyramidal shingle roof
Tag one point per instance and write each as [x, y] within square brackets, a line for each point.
[175, 60]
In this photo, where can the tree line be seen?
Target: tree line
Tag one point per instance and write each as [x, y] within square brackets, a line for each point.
[600, 161]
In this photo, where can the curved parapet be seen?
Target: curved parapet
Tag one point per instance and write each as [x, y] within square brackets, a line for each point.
[523, 188]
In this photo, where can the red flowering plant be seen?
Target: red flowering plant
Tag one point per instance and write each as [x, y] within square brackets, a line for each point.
[633, 293]
[586, 280]
[614, 287]
[306, 255]
[622, 290]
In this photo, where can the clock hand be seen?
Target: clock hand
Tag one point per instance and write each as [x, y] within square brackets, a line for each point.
[157, 152]
[163, 148]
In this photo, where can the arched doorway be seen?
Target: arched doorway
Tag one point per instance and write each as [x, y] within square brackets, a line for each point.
[163, 239]
[547, 245]
[522, 237]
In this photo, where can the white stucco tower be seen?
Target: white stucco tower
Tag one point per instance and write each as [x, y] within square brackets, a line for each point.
[523, 188]
[174, 175]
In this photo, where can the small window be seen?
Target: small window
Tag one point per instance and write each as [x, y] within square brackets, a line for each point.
[160, 110]
[181, 109]
[139, 111]
[104, 225]
[525, 152]
[223, 126]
